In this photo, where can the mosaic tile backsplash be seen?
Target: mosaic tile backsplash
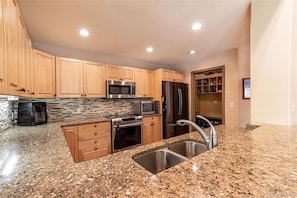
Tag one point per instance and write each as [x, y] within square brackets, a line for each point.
[68, 109]
[5, 114]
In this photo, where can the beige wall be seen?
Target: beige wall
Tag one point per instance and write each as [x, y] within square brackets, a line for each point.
[272, 89]
[244, 72]
[294, 64]
[232, 81]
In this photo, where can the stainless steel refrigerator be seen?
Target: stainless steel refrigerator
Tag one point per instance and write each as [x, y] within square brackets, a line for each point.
[174, 107]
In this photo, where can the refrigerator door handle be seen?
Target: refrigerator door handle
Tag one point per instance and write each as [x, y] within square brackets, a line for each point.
[180, 102]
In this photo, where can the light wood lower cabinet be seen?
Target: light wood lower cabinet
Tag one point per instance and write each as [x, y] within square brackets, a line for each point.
[88, 141]
[151, 129]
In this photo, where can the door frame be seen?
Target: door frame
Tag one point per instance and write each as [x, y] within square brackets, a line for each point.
[193, 90]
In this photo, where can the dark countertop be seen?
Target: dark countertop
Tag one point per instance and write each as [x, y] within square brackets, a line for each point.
[36, 162]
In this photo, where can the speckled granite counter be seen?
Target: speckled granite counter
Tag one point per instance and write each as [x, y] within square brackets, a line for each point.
[85, 121]
[36, 162]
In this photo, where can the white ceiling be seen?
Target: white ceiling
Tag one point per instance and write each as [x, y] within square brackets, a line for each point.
[122, 29]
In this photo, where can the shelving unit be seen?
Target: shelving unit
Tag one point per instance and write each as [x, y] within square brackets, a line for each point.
[209, 95]
[211, 83]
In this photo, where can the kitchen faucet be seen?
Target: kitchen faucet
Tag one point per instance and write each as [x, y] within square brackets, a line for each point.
[211, 141]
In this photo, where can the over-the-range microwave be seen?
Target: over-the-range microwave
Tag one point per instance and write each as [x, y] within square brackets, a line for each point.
[120, 89]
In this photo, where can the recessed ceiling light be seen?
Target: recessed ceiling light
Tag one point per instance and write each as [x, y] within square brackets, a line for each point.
[84, 32]
[192, 52]
[196, 26]
[149, 49]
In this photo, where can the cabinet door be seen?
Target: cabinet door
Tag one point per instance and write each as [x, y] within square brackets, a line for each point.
[70, 134]
[167, 75]
[140, 82]
[113, 72]
[2, 63]
[146, 132]
[156, 130]
[94, 79]
[11, 46]
[24, 72]
[44, 75]
[178, 76]
[69, 74]
[128, 74]
[149, 84]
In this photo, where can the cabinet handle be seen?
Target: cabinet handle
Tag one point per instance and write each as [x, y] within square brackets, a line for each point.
[95, 148]
[22, 89]
[12, 84]
[95, 142]
[1, 80]
[95, 125]
[95, 134]
[81, 94]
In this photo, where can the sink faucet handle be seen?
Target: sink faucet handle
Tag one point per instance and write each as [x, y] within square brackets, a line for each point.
[172, 125]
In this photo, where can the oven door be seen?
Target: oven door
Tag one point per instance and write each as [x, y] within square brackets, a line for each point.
[126, 136]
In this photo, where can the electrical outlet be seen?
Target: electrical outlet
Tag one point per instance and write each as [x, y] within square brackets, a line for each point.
[231, 104]
[78, 110]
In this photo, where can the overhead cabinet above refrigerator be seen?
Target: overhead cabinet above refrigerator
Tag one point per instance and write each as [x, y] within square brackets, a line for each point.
[175, 107]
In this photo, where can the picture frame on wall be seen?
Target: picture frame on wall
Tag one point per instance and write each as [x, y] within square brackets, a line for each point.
[246, 82]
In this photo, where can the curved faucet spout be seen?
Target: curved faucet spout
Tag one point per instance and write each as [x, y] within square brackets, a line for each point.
[211, 141]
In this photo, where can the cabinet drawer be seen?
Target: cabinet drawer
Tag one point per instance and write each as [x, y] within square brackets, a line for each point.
[94, 142]
[151, 119]
[93, 135]
[84, 128]
[93, 131]
[94, 152]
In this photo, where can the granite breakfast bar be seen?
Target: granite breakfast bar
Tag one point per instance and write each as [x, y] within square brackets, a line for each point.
[36, 162]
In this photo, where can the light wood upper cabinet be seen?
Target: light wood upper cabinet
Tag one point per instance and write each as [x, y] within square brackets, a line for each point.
[94, 79]
[69, 77]
[144, 83]
[25, 68]
[44, 75]
[172, 75]
[77, 78]
[11, 36]
[178, 76]
[2, 63]
[119, 73]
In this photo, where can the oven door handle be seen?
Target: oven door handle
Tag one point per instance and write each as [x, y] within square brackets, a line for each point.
[128, 125]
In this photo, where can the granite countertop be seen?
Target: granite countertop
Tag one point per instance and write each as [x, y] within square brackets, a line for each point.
[36, 162]
[85, 121]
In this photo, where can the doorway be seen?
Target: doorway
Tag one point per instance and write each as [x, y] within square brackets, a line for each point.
[208, 88]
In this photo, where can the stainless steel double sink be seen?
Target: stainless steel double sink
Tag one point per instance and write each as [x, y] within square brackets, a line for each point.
[162, 159]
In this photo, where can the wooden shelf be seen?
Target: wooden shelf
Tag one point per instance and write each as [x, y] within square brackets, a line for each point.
[208, 84]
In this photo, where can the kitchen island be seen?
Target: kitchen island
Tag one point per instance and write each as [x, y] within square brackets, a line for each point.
[36, 162]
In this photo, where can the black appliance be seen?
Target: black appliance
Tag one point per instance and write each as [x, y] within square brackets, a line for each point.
[31, 113]
[174, 107]
[126, 132]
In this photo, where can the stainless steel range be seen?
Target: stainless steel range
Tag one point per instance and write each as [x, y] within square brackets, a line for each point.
[126, 132]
